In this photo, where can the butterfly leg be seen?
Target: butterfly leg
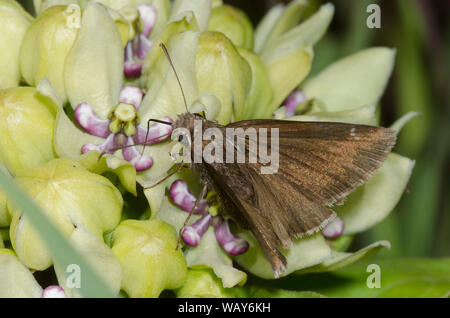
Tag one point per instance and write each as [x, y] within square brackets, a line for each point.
[180, 166]
[199, 198]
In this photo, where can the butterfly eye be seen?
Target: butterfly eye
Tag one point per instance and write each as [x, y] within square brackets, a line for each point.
[180, 138]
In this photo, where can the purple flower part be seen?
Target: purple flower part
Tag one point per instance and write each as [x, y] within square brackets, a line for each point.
[129, 52]
[140, 161]
[148, 15]
[334, 229]
[144, 45]
[131, 94]
[293, 100]
[90, 122]
[107, 146]
[157, 132]
[132, 69]
[184, 199]
[53, 291]
[192, 234]
[232, 244]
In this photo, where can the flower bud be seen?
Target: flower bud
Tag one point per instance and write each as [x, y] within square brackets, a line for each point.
[334, 229]
[26, 120]
[98, 255]
[222, 71]
[46, 45]
[234, 23]
[149, 256]
[14, 22]
[184, 199]
[16, 280]
[192, 234]
[203, 283]
[232, 244]
[53, 291]
[69, 195]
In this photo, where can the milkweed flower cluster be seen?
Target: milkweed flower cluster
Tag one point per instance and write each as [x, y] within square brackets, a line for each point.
[78, 86]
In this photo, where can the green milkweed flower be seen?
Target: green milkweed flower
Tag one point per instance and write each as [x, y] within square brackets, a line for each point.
[229, 70]
[69, 195]
[27, 121]
[150, 260]
[14, 21]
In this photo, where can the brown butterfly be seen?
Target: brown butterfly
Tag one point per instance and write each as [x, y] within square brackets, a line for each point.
[320, 163]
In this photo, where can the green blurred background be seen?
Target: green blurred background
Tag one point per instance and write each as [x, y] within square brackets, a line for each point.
[419, 30]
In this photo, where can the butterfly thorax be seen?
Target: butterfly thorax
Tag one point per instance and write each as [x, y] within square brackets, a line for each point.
[186, 120]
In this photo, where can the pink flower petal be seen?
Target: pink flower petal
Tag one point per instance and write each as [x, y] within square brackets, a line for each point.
[293, 100]
[334, 229]
[232, 244]
[144, 45]
[53, 291]
[107, 146]
[140, 161]
[157, 132]
[131, 94]
[184, 199]
[89, 121]
[192, 234]
[148, 15]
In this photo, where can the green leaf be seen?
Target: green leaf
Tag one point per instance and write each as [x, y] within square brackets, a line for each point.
[418, 278]
[400, 278]
[62, 252]
[267, 292]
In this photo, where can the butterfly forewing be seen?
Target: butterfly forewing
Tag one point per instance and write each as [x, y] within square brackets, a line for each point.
[320, 163]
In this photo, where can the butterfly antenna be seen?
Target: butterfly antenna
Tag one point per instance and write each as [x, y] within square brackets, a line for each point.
[176, 74]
